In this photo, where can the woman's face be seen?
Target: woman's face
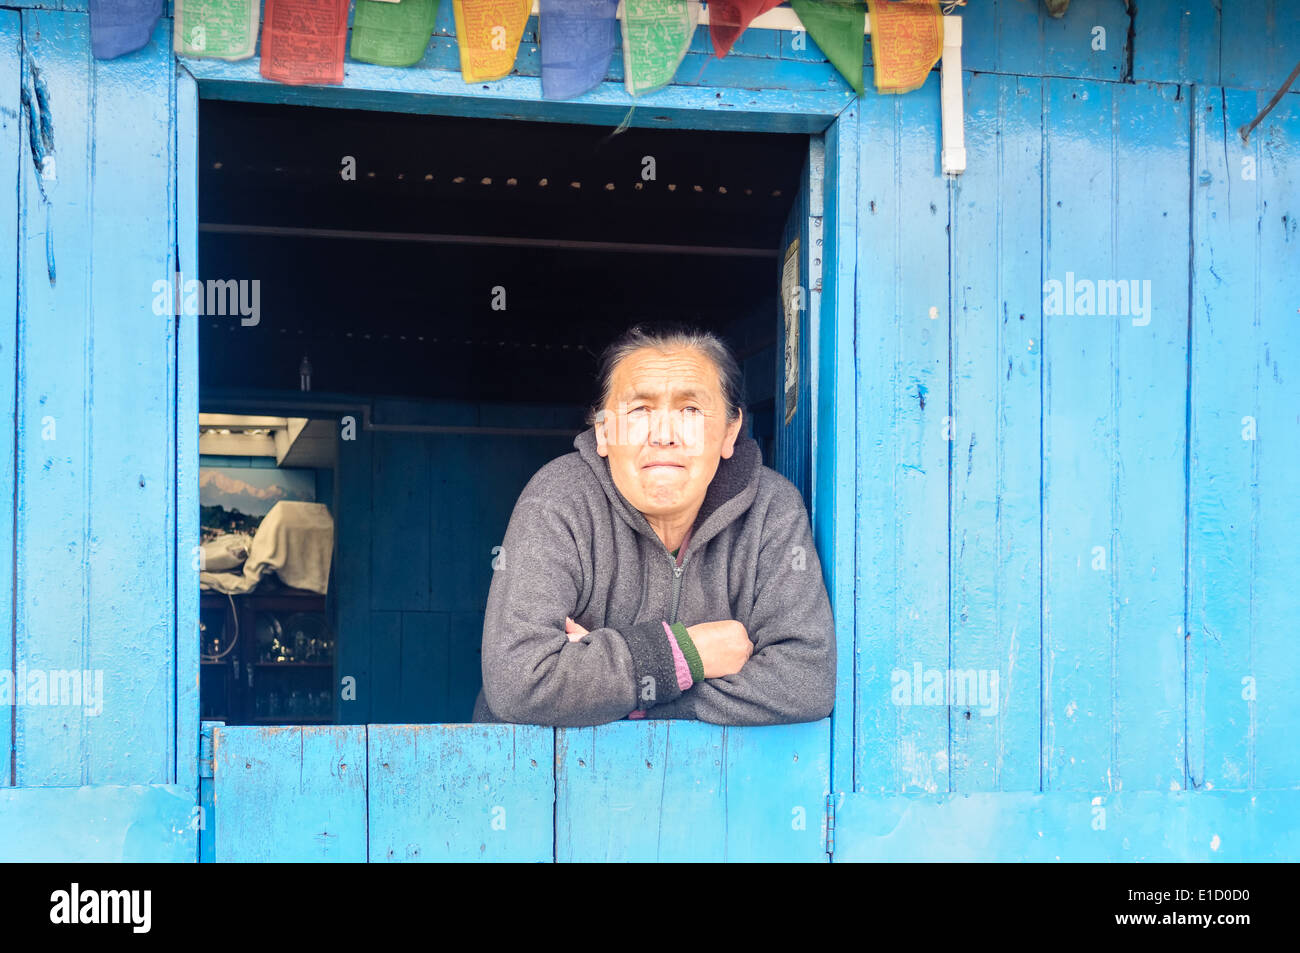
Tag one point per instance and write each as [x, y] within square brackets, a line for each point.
[665, 429]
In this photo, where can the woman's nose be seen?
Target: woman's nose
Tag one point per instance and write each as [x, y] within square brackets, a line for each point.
[664, 427]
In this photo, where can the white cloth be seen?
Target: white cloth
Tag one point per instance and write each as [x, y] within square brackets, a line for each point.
[295, 541]
[226, 552]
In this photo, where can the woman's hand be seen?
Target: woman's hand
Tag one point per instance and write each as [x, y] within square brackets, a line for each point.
[724, 646]
[574, 631]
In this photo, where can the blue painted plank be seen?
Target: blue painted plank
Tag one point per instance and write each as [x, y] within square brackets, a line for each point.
[1149, 235]
[1243, 516]
[777, 779]
[207, 816]
[385, 636]
[1141, 826]
[835, 427]
[1275, 657]
[641, 791]
[458, 556]
[461, 793]
[684, 790]
[1259, 43]
[131, 439]
[1015, 36]
[290, 794]
[902, 336]
[997, 322]
[465, 674]
[1080, 476]
[138, 823]
[352, 578]
[425, 666]
[96, 522]
[10, 133]
[401, 544]
[754, 107]
[54, 341]
[1177, 41]
[1114, 436]
[187, 436]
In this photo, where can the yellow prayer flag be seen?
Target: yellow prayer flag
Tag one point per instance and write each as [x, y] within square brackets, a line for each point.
[906, 42]
[488, 34]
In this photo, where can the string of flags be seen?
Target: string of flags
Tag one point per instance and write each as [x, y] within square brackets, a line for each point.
[305, 41]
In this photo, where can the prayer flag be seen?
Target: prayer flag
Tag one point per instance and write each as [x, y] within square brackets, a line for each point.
[488, 34]
[906, 42]
[656, 36]
[392, 34]
[838, 27]
[729, 18]
[577, 40]
[222, 29]
[118, 27]
[303, 41]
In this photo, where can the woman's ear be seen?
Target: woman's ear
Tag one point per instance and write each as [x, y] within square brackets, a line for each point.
[732, 434]
[602, 442]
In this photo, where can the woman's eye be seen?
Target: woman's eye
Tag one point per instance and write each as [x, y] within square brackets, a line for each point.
[693, 410]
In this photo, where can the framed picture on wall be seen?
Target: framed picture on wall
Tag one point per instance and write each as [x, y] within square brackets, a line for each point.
[236, 499]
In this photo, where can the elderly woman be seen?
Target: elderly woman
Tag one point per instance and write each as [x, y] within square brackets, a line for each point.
[660, 571]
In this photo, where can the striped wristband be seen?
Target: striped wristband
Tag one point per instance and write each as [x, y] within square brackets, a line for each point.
[689, 651]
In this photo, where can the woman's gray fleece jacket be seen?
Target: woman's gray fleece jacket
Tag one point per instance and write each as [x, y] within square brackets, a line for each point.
[575, 547]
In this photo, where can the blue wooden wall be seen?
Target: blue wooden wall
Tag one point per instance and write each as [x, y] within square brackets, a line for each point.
[1106, 519]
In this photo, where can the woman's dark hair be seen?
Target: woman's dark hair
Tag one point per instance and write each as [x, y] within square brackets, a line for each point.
[671, 337]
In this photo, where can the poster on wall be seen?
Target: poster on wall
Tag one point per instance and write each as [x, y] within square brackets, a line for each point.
[792, 304]
[236, 499]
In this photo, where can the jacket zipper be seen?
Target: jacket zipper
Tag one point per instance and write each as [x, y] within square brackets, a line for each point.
[677, 582]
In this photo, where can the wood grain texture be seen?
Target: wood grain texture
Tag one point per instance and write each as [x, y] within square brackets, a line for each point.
[106, 823]
[903, 400]
[187, 436]
[997, 407]
[10, 138]
[1082, 827]
[96, 525]
[290, 794]
[682, 790]
[461, 792]
[835, 443]
[1114, 433]
[1243, 514]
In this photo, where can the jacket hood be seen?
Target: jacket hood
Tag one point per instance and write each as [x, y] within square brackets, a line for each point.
[730, 493]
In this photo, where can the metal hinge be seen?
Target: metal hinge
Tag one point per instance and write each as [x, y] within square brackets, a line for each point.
[830, 824]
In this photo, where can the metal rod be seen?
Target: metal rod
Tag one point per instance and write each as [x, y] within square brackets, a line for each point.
[348, 233]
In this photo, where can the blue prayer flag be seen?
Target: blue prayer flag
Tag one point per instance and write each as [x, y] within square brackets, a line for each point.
[118, 27]
[577, 40]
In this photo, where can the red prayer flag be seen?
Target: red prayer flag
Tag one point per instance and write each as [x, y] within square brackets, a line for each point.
[303, 41]
[729, 18]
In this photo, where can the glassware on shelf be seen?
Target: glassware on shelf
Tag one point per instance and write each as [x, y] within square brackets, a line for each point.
[306, 628]
[272, 644]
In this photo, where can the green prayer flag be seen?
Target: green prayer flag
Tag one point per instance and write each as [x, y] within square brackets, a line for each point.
[656, 36]
[221, 29]
[392, 34]
[838, 27]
